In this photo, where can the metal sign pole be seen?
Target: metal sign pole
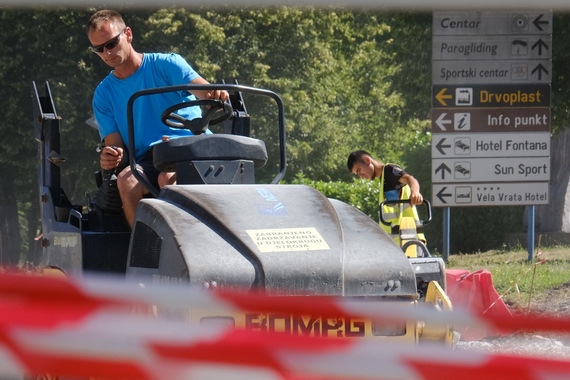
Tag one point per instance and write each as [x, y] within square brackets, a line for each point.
[446, 224]
[530, 232]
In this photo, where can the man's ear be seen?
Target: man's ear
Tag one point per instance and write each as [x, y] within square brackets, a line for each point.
[367, 160]
[129, 34]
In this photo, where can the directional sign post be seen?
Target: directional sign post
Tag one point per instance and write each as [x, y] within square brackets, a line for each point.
[491, 75]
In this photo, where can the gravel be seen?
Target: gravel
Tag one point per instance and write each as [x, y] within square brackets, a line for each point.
[552, 347]
[537, 343]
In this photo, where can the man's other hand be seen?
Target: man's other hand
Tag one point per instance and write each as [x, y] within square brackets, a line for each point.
[110, 157]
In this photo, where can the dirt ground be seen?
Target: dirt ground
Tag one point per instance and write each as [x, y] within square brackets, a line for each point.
[532, 343]
[555, 302]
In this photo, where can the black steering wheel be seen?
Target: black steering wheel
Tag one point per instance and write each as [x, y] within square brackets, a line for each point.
[200, 124]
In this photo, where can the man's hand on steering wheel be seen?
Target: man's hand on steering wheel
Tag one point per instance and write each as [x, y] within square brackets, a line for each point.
[222, 95]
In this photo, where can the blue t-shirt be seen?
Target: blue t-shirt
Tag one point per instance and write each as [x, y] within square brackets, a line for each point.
[156, 70]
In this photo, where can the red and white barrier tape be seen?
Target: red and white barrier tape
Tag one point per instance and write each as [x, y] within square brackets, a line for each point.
[86, 327]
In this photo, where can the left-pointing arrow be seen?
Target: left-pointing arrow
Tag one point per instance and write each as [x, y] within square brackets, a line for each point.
[538, 22]
[442, 194]
[442, 96]
[440, 146]
[441, 121]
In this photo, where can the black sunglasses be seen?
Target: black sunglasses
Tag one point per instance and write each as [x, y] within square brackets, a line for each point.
[109, 44]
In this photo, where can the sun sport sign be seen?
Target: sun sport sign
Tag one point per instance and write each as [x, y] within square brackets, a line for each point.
[491, 74]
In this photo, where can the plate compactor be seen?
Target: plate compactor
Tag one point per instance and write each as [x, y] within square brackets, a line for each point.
[218, 228]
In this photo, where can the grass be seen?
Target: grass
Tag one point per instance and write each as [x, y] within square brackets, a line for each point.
[518, 280]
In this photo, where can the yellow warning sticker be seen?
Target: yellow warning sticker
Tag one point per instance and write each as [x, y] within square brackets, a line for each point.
[288, 239]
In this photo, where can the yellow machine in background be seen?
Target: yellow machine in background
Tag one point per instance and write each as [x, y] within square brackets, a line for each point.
[430, 271]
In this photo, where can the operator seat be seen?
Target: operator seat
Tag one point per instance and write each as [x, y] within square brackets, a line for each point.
[212, 158]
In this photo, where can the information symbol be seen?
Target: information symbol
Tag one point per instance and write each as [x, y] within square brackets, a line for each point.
[520, 22]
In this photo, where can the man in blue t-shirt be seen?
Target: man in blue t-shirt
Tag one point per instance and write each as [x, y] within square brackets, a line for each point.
[112, 40]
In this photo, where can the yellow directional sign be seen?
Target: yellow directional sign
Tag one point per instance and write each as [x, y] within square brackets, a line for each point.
[491, 95]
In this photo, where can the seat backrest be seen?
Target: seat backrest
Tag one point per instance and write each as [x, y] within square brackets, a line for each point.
[214, 147]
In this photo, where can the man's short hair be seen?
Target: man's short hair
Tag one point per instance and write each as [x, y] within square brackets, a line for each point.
[97, 19]
[355, 157]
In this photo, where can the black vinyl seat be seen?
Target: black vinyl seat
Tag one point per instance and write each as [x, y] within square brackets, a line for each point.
[214, 147]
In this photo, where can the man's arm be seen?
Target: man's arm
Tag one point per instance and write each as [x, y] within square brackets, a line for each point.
[206, 94]
[415, 196]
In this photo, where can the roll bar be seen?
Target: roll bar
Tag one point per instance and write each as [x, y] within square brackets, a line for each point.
[190, 87]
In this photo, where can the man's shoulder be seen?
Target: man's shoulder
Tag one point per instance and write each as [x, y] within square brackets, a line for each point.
[162, 57]
[164, 62]
[393, 167]
[394, 170]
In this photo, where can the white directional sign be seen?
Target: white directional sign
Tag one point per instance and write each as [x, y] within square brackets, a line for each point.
[480, 72]
[510, 169]
[512, 47]
[464, 23]
[490, 194]
[471, 145]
